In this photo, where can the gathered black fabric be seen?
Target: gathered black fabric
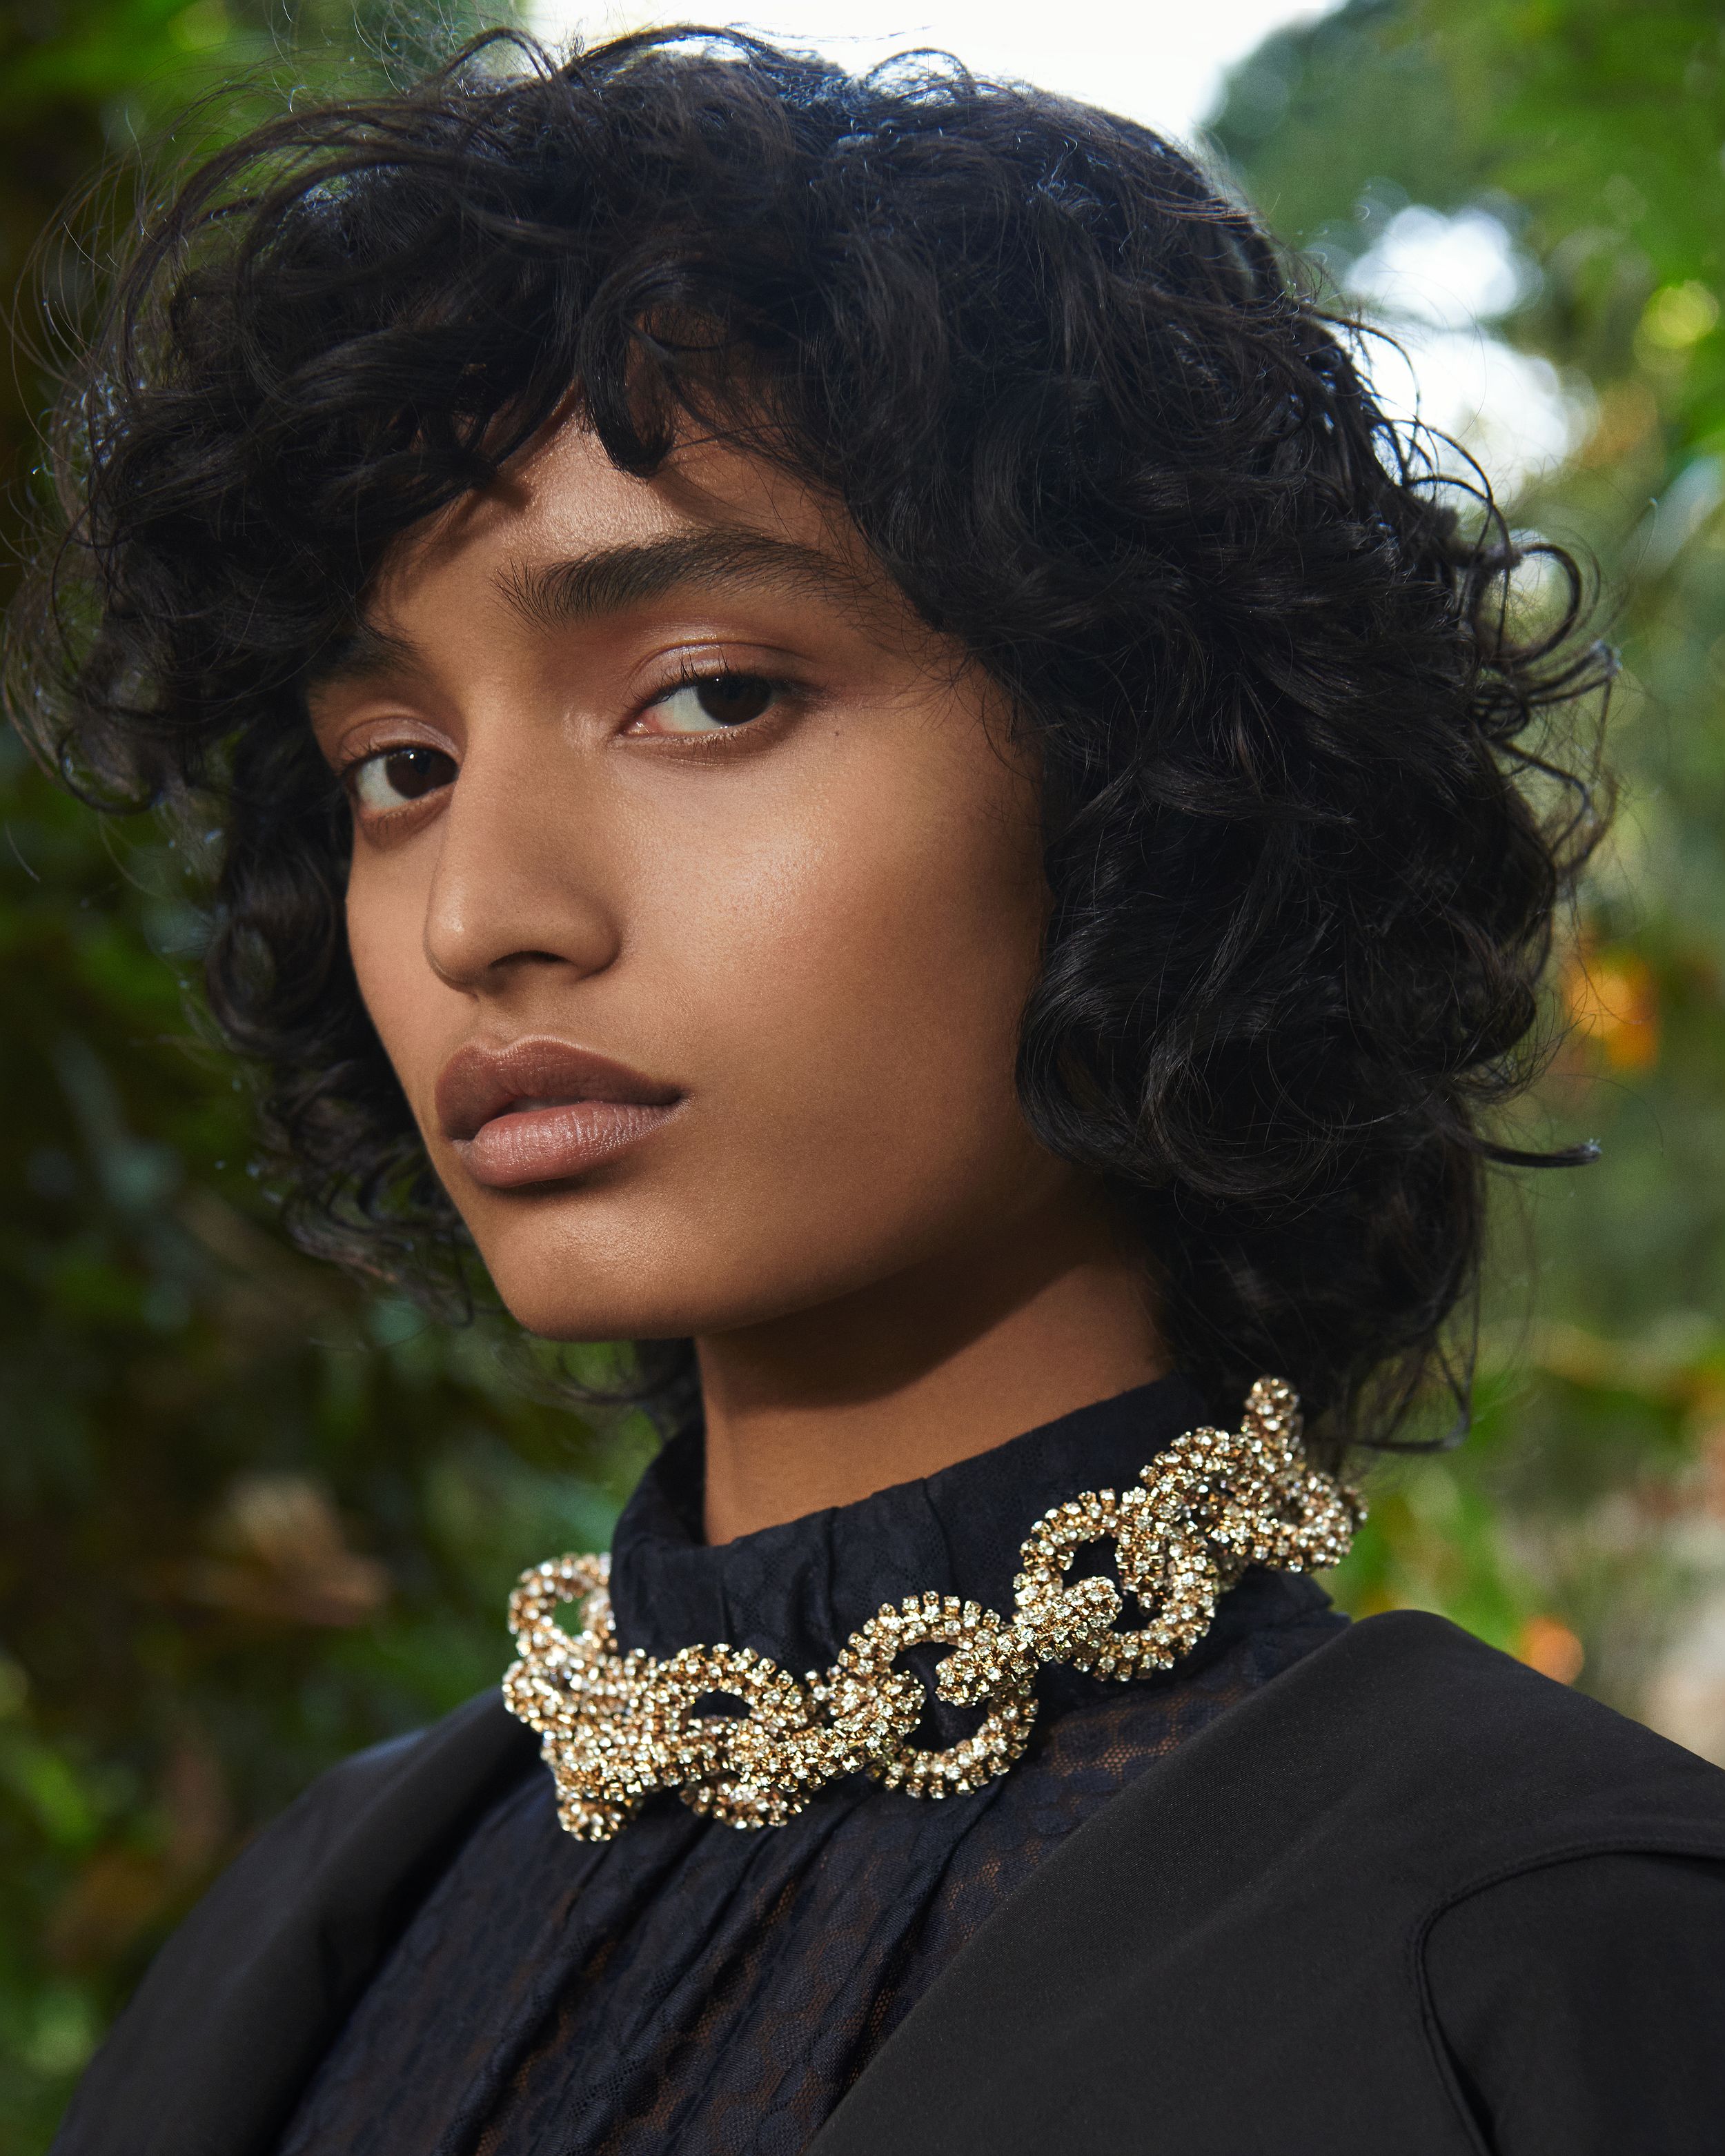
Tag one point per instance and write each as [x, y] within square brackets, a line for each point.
[1325, 1890]
[692, 1987]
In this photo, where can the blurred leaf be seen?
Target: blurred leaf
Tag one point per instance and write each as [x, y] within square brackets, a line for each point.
[1583, 1514]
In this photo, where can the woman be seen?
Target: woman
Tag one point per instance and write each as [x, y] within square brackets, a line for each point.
[843, 741]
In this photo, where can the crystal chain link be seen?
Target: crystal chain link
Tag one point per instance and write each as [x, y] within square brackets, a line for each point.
[617, 1727]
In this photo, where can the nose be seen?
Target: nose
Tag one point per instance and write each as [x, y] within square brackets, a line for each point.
[521, 879]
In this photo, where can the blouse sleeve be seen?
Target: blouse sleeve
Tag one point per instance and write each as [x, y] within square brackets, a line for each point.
[1583, 2006]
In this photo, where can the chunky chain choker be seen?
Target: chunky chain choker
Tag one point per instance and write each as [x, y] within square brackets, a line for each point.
[618, 1728]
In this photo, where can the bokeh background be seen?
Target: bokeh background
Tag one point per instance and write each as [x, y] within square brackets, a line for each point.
[251, 1516]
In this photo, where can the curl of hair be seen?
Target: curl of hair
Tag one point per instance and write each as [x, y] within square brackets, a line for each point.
[1304, 834]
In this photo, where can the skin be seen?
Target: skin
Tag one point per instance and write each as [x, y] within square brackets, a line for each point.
[816, 930]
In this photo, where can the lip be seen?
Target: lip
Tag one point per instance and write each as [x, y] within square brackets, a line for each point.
[539, 1110]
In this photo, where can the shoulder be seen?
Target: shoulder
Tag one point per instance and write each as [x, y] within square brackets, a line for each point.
[242, 1998]
[1463, 1757]
[1405, 1765]
[1234, 1946]
[1578, 2003]
[340, 1861]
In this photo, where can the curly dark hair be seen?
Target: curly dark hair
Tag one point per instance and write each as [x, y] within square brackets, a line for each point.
[1305, 829]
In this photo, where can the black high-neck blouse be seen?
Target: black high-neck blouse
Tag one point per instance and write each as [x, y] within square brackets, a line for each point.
[1325, 1890]
[692, 1987]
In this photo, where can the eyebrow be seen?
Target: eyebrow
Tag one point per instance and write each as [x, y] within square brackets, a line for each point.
[560, 594]
[363, 654]
[588, 586]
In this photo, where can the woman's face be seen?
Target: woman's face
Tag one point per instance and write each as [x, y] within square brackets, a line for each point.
[696, 893]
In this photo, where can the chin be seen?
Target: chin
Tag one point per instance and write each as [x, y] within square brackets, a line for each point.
[583, 1288]
[651, 1279]
[712, 1249]
[598, 1303]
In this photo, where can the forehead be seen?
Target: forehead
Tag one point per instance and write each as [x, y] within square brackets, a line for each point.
[563, 531]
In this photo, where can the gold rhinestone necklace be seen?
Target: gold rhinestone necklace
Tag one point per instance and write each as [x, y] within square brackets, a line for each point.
[619, 1727]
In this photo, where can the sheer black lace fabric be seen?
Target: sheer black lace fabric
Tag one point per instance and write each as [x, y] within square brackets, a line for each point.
[687, 1989]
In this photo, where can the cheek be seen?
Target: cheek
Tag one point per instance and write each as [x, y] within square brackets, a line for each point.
[833, 961]
[407, 1004]
[869, 980]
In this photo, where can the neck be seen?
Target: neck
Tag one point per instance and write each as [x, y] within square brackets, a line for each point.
[942, 1362]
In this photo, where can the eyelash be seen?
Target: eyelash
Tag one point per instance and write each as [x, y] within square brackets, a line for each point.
[692, 675]
[351, 774]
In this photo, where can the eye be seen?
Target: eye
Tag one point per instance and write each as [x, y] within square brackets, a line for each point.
[396, 777]
[711, 705]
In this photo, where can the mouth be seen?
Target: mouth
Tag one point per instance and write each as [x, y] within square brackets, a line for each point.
[538, 1110]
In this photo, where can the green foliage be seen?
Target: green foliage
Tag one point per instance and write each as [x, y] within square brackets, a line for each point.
[1589, 1494]
[254, 1517]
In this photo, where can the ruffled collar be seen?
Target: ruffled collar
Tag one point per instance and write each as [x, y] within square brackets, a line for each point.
[795, 1592]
